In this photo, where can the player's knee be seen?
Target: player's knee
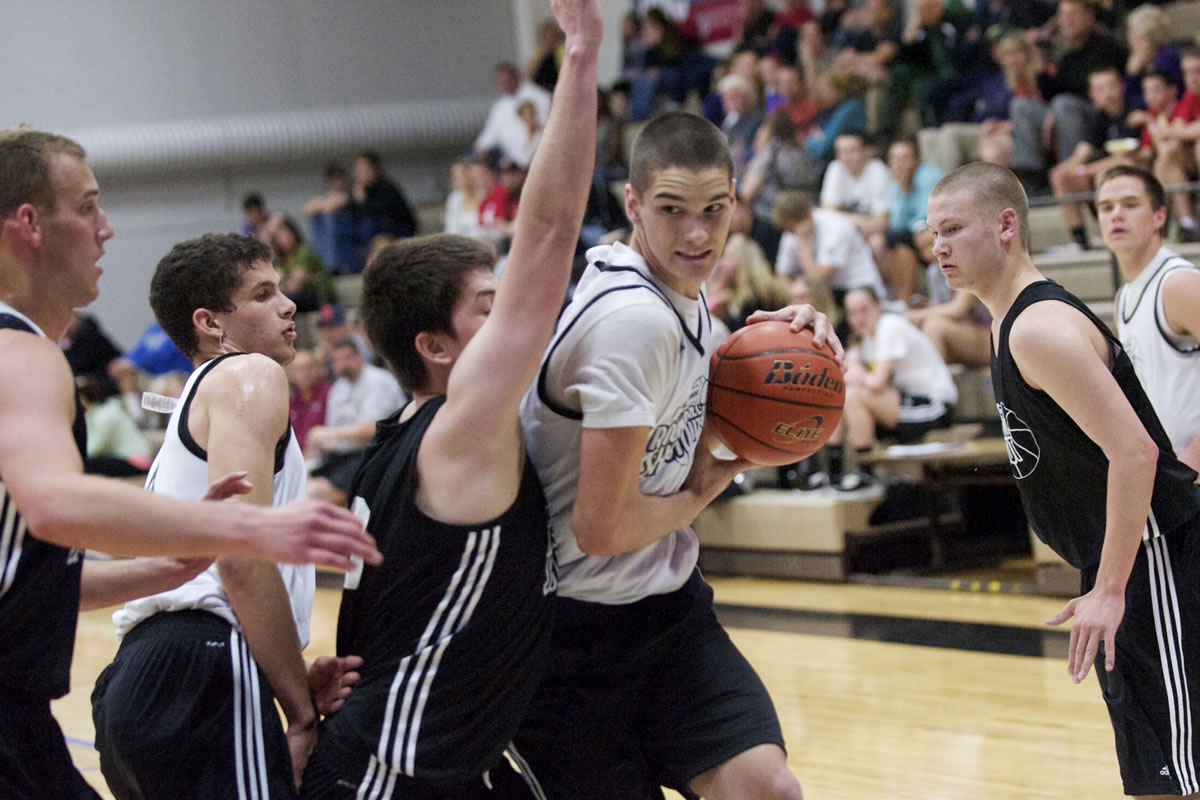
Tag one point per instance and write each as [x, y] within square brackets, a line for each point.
[782, 785]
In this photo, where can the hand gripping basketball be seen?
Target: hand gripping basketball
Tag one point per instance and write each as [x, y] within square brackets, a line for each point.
[774, 396]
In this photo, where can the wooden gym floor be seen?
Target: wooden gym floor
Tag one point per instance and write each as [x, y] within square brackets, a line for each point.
[884, 692]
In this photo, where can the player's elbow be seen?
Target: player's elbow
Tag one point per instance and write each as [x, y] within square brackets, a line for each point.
[239, 575]
[593, 533]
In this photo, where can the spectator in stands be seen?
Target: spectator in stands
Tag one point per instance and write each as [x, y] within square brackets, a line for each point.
[1177, 144]
[897, 385]
[743, 282]
[795, 101]
[547, 55]
[257, 221]
[334, 325]
[304, 279]
[779, 164]
[498, 210]
[90, 351]
[840, 96]
[333, 223]
[1065, 88]
[743, 117]
[856, 184]
[908, 242]
[310, 389]
[633, 49]
[503, 132]
[824, 244]
[461, 215]
[154, 358]
[960, 327]
[1110, 141]
[927, 54]
[1020, 64]
[662, 65]
[115, 445]
[361, 395]
[384, 208]
[1148, 31]
[868, 40]
[533, 133]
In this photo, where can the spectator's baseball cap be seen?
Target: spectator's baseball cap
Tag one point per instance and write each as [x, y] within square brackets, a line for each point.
[329, 315]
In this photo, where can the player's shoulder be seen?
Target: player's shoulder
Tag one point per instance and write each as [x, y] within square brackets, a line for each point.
[1050, 328]
[25, 353]
[245, 372]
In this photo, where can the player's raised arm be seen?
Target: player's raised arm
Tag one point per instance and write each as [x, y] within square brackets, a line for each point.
[43, 473]
[1060, 352]
[493, 373]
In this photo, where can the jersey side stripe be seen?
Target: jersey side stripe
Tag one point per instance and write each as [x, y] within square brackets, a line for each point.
[12, 540]
[491, 543]
[1166, 624]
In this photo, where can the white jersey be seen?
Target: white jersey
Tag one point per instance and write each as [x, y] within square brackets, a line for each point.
[1167, 364]
[181, 470]
[628, 352]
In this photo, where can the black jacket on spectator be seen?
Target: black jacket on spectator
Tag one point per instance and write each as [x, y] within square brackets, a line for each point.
[387, 209]
[1100, 50]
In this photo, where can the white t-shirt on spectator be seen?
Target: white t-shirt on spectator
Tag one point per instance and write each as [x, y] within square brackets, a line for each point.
[917, 366]
[375, 395]
[866, 194]
[505, 130]
[838, 244]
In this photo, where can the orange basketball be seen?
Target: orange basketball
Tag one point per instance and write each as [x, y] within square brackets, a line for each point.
[774, 396]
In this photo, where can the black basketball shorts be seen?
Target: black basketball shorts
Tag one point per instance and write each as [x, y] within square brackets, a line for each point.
[642, 695]
[184, 712]
[34, 762]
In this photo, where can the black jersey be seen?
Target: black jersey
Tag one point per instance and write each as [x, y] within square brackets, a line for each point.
[39, 590]
[1062, 474]
[453, 627]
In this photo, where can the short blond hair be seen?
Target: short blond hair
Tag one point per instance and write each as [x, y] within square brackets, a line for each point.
[25, 156]
[1151, 22]
[991, 189]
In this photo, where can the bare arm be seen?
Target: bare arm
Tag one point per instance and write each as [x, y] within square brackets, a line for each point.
[238, 416]
[1181, 307]
[110, 583]
[491, 376]
[1059, 351]
[43, 473]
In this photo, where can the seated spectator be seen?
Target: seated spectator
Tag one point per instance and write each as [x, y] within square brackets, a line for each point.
[116, 447]
[633, 49]
[856, 184]
[1148, 31]
[154, 357]
[333, 221]
[90, 351]
[461, 214]
[383, 206]
[824, 244]
[794, 100]
[897, 385]
[743, 282]
[840, 96]
[867, 41]
[909, 241]
[503, 132]
[304, 279]
[543, 65]
[533, 134]
[1020, 64]
[361, 395]
[662, 65]
[258, 222]
[1177, 146]
[333, 326]
[310, 389]
[927, 55]
[743, 117]
[957, 323]
[779, 164]
[1064, 87]
[1110, 140]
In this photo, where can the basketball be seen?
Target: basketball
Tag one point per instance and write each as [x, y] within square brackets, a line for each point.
[774, 396]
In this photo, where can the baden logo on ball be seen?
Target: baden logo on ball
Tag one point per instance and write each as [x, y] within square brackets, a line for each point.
[774, 396]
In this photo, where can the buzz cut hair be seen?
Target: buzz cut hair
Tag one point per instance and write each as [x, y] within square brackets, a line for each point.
[677, 139]
[991, 189]
[25, 156]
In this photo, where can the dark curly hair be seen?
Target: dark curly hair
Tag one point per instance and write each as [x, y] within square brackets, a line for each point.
[412, 287]
[201, 273]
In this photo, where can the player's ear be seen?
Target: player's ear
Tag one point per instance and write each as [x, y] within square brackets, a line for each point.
[25, 223]
[1009, 225]
[432, 347]
[206, 325]
[632, 207]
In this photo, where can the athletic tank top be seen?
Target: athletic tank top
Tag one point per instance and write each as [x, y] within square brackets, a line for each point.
[1061, 473]
[453, 626]
[1167, 364]
[618, 280]
[181, 470]
[39, 584]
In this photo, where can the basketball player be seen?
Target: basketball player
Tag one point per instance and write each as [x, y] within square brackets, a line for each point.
[52, 233]
[237, 629]
[1158, 309]
[645, 687]
[1097, 478]
[454, 627]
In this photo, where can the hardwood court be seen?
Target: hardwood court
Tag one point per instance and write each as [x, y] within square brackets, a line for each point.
[884, 692]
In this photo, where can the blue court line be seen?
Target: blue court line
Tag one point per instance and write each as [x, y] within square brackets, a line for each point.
[80, 742]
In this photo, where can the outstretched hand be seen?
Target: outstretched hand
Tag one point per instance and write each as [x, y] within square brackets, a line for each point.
[581, 22]
[330, 680]
[312, 532]
[227, 486]
[805, 316]
[1097, 617]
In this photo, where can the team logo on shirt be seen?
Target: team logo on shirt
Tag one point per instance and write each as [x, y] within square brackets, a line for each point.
[676, 440]
[1021, 444]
